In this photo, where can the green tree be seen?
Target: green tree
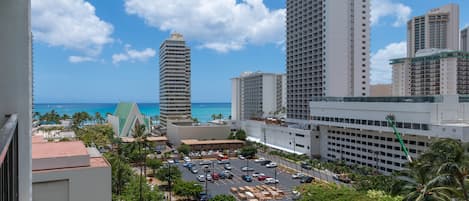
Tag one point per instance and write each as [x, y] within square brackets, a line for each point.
[65, 117]
[381, 196]
[248, 151]
[51, 116]
[187, 189]
[222, 197]
[214, 116]
[154, 164]
[167, 174]
[132, 191]
[79, 118]
[99, 135]
[184, 148]
[241, 135]
[321, 191]
[99, 119]
[121, 172]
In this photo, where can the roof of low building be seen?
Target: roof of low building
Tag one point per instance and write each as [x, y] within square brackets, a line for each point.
[150, 139]
[206, 142]
[58, 149]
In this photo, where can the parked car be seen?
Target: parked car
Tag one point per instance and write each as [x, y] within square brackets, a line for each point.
[215, 176]
[227, 174]
[205, 162]
[257, 174]
[201, 178]
[259, 160]
[176, 160]
[297, 176]
[194, 170]
[271, 181]
[262, 178]
[186, 159]
[190, 165]
[271, 165]
[307, 179]
[170, 161]
[306, 166]
[241, 157]
[224, 162]
[246, 169]
[247, 178]
[204, 197]
[265, 162]
[227, 167]
[209, 177]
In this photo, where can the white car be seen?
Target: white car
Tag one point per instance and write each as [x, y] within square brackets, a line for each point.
[201, 178]
[209, 177]
[297, 176]
[186, 159]
[259, 160]
[241, 157]
[271, 165]
[170, 161]
[271, 181]
[257, 174]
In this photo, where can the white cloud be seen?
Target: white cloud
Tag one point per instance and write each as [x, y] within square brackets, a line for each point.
[221, 25]
[72, 24]
[385, 8]
[79, 59]
[133, 55]
[381, 71]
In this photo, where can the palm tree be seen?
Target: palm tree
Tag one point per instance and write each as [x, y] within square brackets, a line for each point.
[459, 174]
[140, 138]
[98, 118]
[214, 116]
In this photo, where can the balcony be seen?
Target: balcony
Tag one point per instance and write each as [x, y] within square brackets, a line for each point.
[9, 159]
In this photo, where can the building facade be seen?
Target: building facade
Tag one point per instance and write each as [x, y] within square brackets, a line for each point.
[125, 118]
[439, 28]
[175, 79]
[354, 129]
[328, 45]
[257, 95]
[69, 171]
[464, 40]
[431, 72]
[178, 131]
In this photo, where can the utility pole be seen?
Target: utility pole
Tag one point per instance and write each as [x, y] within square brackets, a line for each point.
[206, 189]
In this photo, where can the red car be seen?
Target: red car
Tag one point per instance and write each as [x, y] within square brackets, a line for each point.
[262, 178]
[215, 176]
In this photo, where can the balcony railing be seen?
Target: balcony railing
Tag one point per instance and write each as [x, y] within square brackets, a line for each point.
[9, 159]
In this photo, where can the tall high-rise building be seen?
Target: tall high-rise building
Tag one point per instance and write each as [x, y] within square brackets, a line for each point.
[328, 45]
[257, 95]
[175, 79]
[431, 72]
[465, 40]
[439, 28]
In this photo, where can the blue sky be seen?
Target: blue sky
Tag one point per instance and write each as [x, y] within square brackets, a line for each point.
[106, 51]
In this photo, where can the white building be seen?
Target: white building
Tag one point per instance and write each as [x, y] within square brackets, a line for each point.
[328, 45]
[69, 171]
[175, 79]
[177, 131]
[354, 129]
[257, 95]
[431, 72]
[289, 139]
[464, 40]
[439, 28]
[15, 98]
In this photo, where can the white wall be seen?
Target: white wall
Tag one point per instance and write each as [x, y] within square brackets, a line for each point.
[283, 138]
[235, 99]
[15, 80]
[177, 133]
[84, 183]
[269, 94]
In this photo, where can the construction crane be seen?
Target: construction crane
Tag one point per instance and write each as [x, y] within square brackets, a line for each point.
[392, 123]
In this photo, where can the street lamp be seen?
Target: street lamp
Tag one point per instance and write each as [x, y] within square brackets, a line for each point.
[206, 189]
[275, 176]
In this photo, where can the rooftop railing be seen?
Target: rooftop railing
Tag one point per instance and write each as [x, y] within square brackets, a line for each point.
[9, 159]
[394, 99]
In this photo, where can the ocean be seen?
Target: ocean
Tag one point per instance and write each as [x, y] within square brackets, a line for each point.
[202, 111]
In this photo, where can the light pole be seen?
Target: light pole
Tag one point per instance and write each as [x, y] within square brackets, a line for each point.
[275, 176]
[169, 180]
[206, 189]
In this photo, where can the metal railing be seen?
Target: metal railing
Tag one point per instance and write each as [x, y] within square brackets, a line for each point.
[9, 159]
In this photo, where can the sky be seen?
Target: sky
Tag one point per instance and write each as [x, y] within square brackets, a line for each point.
[107, 51]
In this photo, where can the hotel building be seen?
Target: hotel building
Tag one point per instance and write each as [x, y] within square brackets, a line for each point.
[439, 28]
[257, 95]
[175, 80]
[354, 129]
[431, 72]
[328, 45]
[464, 40]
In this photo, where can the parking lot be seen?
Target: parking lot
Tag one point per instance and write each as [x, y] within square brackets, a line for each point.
[222, 186]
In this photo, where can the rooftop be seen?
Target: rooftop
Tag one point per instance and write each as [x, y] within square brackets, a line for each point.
[58, 149]
[151, 139]
[394, 99]
[206, 142]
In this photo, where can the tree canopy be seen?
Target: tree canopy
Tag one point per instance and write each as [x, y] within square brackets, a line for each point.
[187, 189]
[223, 198]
